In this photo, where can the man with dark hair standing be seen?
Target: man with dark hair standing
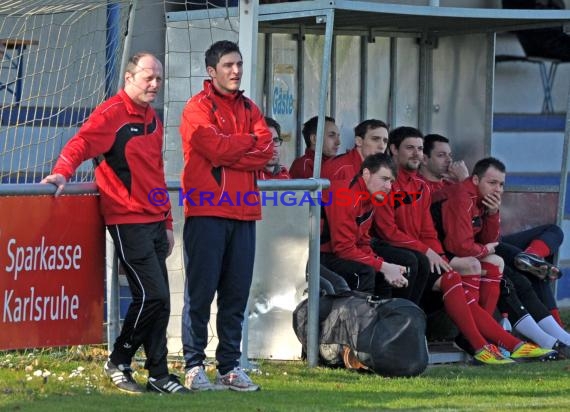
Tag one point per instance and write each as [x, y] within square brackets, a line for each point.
[124, 136]
[302, 167]
[226, 142]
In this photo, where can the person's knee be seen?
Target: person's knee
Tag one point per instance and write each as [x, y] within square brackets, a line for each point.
[466, 265]
[557, 233]
[447, 281]
[494, 260]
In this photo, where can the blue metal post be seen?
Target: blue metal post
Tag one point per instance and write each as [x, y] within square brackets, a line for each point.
[112, 47]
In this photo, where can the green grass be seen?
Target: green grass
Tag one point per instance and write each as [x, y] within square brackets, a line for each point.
[76, 382]
[287, 386]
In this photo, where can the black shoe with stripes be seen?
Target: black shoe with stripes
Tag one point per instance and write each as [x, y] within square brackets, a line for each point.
[121, 376]
[168, 384]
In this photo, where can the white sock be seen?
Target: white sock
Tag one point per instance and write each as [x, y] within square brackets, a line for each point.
[550, 326]
[528, 327]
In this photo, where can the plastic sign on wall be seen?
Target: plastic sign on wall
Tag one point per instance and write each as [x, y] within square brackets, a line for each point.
[284, 108]
[52, 270]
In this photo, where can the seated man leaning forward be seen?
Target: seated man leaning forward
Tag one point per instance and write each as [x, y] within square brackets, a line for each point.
[345, 234]
[468, 222]
[410, 225]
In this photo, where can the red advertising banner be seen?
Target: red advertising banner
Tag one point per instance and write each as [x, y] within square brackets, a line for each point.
[52, 271]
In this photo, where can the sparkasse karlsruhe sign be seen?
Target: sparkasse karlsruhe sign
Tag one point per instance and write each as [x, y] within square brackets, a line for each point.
[52, 271]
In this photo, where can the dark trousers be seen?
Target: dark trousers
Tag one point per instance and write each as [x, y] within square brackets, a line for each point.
[552, 235]
[416, 262]
[358, 276]
[220, 254]
[142, 249]
[515, 243]
[518, 297]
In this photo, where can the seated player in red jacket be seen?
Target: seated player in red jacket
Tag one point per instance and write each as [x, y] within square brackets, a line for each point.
[409, 224]
[437, 168]
[302, 167]
[345, 232]
[468, 222]
[370, 137]
[274, 170]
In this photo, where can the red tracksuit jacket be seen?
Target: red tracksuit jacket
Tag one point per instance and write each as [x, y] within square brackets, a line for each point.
[225, 142]
[346, 227]
[281, 173]
[466, 225]
[302, 167]
[127, 140]
[343, 167]
[408, 222]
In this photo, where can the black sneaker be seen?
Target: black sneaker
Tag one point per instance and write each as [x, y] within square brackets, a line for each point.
[121, 376]
[168, 384]
[562, 349]
[533, 264]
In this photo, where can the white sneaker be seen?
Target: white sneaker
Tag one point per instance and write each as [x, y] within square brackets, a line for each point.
[197, 380]
[236, 380]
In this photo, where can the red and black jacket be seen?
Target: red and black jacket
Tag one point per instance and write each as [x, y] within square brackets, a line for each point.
[225, 142]
[406, 222]
[463, 224]
[126, 141]
[280, 172]
[345, 228]
[302, 167]
[343, 167]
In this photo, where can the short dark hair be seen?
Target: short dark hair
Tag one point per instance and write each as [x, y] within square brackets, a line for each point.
[310, 127]
[273, 123]
[376, 161]
[482, 165]
[429, 142]
[361, 129]
[398, 135]
[219, 49]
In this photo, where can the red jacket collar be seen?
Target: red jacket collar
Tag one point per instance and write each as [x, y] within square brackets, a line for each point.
[211, 89]
[405, 175]
[355, 156]
[361, 184]
[310, 153]
[472, 190]
[130, 105]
